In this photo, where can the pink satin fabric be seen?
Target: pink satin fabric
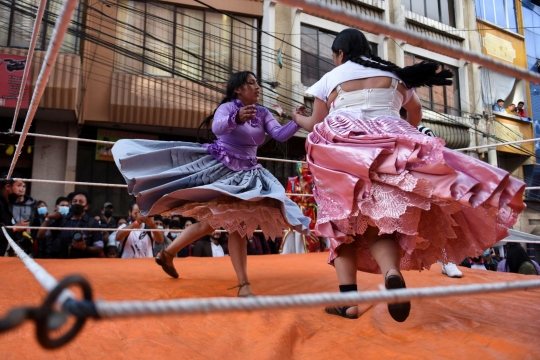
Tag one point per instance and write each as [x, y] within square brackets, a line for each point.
[383, 172]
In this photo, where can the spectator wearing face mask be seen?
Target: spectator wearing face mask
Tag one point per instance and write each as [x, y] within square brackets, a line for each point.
[74, 243]
[106, 217]
[158, 221]
[41, 210]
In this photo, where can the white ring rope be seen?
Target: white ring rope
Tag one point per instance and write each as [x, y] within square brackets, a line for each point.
[60, 28]
[125, 186]
[29, 56]
[64, 182]
[110, 309]
[98, 229]
[46, 280]
[56, 137]
[111, 230]
[344, 16]
[499, 144]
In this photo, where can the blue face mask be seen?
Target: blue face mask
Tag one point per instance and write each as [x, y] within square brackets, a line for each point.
[174, 235]
[64, 210]
[42, 210]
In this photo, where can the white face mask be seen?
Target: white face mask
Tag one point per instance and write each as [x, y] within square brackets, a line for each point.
[160, 227]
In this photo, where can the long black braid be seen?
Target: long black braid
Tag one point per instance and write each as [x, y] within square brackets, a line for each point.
[235, 81]
[356, 48]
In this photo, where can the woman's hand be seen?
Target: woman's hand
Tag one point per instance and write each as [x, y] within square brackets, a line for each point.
[246, 113]
[299, 111]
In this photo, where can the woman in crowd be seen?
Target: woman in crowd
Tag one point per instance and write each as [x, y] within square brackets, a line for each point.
[517, 261]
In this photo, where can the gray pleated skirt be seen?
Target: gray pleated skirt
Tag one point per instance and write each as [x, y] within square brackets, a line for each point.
[173, 177]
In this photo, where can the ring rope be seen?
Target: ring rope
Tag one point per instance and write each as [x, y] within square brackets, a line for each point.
[46, 280]
[29, 56]
[64, 182]
[13, 227]
[60, 28]
[112, 309]
[57, 137]
[343, 16]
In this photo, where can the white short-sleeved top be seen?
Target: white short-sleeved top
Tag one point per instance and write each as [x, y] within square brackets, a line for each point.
[138, 244]
[347, 72]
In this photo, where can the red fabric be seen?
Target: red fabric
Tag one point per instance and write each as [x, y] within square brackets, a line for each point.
[501, 326]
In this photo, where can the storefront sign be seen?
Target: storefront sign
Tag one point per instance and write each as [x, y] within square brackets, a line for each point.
[11, 74]
[103, 151]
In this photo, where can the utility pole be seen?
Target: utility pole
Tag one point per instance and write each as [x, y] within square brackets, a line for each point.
[492, 151]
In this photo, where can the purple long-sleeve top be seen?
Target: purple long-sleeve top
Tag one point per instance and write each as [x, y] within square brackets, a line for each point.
[236, 144]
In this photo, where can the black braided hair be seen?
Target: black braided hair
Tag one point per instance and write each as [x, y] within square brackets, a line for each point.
[355, 48]
[235, 81]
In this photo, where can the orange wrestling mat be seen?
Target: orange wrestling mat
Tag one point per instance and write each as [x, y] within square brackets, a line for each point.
[493, 326]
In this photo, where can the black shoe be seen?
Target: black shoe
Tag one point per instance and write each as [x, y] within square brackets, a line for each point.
[341, 311]
[398, 311]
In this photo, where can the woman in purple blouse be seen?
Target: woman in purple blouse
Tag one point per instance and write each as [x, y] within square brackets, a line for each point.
[220, 184]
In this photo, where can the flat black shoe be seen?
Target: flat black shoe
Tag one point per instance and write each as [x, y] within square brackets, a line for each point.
[398, 311]
[341, 311]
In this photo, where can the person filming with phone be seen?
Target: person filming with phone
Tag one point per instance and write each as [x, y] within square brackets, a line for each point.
[71, 244]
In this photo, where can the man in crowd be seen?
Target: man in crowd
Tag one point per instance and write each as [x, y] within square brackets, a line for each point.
[499, 106]
[43, 237]
[6, 217]
[212, 245]
[107, 219]
[521, 110]
[24, 207]
[71, 243]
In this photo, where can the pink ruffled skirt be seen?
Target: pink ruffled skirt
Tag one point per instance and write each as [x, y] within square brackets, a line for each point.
[442, 205]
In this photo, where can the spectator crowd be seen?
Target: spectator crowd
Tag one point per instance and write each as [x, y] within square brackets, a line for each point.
[138, 236]
[109, 234]
[511, 109]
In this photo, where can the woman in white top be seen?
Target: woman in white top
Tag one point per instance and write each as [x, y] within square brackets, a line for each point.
[390, 197]
[138, 243]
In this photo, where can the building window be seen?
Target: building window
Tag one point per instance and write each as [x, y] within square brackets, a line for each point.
[316, 58]
[441, 99]
[165, 40]
[498, 12]
[439, 10]
[17, 23]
